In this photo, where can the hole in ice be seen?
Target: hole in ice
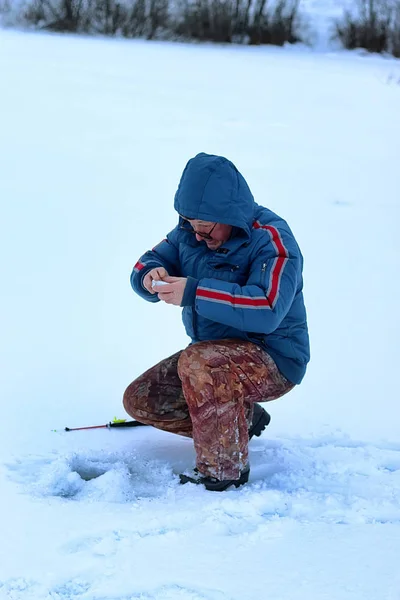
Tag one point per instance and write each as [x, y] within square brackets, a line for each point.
[102, 476]
[89, 469]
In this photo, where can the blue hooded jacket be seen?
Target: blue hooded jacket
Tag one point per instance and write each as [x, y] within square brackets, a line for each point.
[251, 287]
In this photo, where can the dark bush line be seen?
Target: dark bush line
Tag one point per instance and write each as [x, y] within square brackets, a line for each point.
[375, 26]
[228, 21]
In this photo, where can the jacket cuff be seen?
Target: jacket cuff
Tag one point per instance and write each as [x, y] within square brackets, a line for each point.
[189, 295]
[143, 275]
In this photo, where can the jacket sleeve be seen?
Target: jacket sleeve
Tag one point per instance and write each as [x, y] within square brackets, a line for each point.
[166, 255]
[261, 304]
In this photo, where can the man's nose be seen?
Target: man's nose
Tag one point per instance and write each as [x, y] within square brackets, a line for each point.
[198, 237]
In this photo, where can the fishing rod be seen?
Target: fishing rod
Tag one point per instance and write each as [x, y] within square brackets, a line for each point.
[114, 423]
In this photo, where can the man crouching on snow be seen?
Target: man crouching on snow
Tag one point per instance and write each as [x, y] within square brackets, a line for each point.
[236, 270]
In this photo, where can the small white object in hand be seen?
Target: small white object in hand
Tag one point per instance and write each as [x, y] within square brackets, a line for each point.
[155, 284]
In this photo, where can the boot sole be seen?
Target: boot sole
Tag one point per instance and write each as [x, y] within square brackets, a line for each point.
[262, 423]
[221, 486]
[217, 486]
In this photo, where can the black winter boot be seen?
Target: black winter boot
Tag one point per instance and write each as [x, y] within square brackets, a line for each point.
[212, 484]
[259, 421]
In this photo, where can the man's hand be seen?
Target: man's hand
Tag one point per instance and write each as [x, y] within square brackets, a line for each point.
[172, 293]
[157, 274]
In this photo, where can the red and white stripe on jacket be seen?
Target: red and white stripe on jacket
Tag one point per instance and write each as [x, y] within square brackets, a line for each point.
[267, 301]
[139, 266]
[279, 262]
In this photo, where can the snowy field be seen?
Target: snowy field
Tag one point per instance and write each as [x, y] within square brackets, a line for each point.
[94, 135]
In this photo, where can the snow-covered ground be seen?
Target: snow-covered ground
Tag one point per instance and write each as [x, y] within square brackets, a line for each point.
[93, 137]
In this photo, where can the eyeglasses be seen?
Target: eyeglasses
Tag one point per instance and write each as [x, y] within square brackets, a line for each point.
[205, 236]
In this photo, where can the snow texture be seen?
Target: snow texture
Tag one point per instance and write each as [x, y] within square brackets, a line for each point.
[94, 136]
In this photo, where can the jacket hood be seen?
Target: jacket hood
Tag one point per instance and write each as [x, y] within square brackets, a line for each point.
[212, 189]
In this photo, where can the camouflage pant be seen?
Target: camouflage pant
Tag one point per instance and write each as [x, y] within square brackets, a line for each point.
[207, 392]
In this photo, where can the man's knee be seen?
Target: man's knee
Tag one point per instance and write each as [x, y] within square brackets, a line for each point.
[200, 356]
[131, 401]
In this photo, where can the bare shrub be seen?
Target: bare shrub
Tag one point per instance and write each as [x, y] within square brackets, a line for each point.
[205, 20]
[395, 32]
[158, 17]
[130, 18]
[374, 26]
[61, 15]
[5, 7]
[249, 21]
[276, 25]
[106, 16]
[135, 24]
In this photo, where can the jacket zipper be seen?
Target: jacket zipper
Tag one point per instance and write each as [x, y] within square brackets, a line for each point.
[263, 269]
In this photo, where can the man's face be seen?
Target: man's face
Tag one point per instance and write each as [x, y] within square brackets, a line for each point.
[219, 232]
